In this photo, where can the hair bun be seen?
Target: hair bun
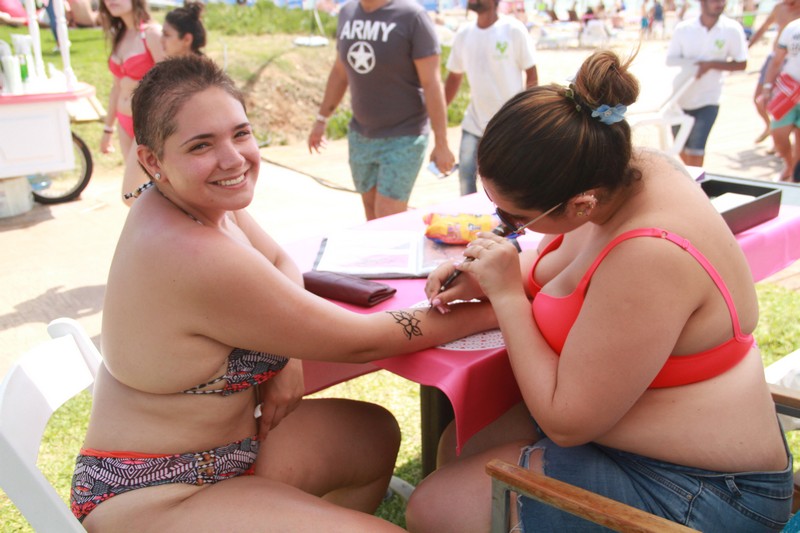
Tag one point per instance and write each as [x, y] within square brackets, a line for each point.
[604, 79]
[195, 8]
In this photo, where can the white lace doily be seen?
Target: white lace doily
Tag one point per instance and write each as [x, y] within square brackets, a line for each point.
[485, 340]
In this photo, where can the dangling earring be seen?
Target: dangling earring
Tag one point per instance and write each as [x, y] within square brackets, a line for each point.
[157, 176]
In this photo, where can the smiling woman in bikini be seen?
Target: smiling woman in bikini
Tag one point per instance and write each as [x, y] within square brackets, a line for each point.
[135, 47]
[205, 318]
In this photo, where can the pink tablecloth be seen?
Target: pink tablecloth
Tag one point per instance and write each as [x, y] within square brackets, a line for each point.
[774, 245]
[480, 384]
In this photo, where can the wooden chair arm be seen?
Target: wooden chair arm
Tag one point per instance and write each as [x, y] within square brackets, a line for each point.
[787, 401]
[580, 502]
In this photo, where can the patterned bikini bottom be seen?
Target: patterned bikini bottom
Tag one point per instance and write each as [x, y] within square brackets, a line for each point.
[99, 475]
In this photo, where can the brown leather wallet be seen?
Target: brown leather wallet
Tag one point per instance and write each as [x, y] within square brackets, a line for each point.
[347, 288]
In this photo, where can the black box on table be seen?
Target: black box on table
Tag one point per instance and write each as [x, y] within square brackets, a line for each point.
[764, 205]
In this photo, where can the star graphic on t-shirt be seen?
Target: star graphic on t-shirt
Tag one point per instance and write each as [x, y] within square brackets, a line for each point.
[361, 57]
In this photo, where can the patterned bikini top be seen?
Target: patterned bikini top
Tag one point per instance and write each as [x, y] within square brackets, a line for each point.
[246, 368]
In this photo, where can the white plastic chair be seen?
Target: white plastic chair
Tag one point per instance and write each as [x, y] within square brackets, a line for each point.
[594, 34]
[667, 115]
[61, 327]
[40, 382]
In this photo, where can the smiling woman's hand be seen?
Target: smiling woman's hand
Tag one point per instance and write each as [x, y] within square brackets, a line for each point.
[280, 395]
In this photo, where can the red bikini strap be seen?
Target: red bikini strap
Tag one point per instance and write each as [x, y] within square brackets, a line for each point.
[683, 243]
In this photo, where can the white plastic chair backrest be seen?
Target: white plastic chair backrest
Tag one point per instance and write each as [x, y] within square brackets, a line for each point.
[61, 327]
[660, 90]
[596, 28]
[681, 85]
[40, 382]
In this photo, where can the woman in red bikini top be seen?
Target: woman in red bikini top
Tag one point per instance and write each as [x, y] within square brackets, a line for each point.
[135, 42]
[630, 335]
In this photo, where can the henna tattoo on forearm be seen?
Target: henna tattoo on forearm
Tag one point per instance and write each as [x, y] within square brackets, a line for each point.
[409, 323]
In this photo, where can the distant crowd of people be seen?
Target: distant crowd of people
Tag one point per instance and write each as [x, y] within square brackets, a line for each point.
[77, 13]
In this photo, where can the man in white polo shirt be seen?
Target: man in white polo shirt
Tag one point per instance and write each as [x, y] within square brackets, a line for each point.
[713, 44]
[494, 52]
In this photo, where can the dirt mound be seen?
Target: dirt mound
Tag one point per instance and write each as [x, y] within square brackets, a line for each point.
[283, 96]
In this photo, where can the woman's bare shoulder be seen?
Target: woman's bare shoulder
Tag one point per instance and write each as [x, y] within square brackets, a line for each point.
[646, 158]
[152, 34]
[152, 28]
[179, 250]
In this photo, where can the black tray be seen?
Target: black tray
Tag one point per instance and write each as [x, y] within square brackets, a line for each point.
[765, 205]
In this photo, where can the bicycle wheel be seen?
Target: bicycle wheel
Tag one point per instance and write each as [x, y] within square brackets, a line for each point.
[65, 186]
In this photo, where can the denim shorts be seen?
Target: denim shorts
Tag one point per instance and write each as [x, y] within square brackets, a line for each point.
[701, 499]
[704, 118]
[468, 163]
[391, 164]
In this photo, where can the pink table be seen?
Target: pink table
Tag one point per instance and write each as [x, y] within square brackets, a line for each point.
[479, 384]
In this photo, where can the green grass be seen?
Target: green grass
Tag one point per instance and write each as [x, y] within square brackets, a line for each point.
[778, 333]
[264, 18]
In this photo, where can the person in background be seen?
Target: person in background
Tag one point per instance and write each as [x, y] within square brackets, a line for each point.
[782, 14]
[494, 52]
[786, 60]
[183, 32]
[12, 13]
[710, 45]
[588, 15]
[81, 14]
[629, 332]
[656, 23]
[51, 19]
[135, 41]
[600, 11]
[683, 11]
[388, 55]
[198, 421]
[78, 14]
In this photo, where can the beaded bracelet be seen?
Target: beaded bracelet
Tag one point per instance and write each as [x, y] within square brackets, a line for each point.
[108, 129]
